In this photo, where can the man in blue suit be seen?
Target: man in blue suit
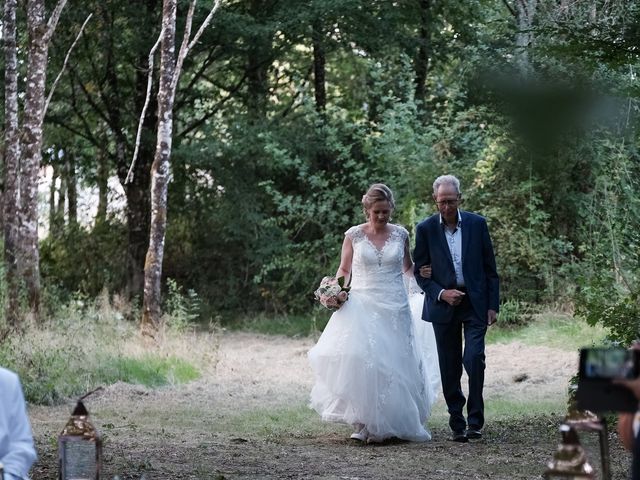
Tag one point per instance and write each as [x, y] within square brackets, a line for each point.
[461, 297]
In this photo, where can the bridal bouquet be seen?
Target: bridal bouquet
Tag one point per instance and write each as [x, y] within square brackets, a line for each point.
[332, 292]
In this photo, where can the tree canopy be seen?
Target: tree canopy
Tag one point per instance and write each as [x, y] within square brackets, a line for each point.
[287, 110]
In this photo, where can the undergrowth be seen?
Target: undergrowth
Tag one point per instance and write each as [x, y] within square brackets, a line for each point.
[89, 344]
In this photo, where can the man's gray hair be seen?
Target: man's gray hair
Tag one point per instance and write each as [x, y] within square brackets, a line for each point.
[443, 180]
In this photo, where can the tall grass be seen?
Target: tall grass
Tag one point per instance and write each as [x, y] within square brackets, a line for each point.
[551, 329]
[287, 325]
[86, 344]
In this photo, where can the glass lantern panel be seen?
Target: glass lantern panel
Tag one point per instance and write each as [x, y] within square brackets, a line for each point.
[78, 460]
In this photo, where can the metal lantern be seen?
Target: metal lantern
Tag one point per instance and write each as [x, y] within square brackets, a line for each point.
[570, 460]
[587, 421]
[79, 448]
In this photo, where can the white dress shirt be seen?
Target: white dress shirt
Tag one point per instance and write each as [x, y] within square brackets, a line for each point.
[17, 452]
[454, 241]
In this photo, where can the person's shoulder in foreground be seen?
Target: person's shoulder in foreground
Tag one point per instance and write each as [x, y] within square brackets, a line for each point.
[17, 452]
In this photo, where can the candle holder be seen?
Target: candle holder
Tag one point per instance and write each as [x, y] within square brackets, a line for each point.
[570, 460]
[79, 448]
[587, 421]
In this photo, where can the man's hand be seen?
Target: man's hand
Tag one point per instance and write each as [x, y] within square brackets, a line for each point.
[492, 317]
[453, 297]
[425, 271]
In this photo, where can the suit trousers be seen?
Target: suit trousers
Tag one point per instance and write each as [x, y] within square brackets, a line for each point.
[452, 358]
[635, 459]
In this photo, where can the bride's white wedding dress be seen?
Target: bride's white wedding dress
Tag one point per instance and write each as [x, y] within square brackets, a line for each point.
[375, 363]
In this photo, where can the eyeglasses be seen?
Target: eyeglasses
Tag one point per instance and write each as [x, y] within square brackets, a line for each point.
[448, 203]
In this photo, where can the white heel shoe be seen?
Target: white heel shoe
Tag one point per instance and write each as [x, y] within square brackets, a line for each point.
[361, 435]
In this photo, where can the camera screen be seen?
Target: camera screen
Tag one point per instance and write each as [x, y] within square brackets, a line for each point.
[609, 363]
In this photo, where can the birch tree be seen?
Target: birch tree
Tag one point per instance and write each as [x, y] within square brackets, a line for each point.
[524, 12]
[11, 161]
[170, 69]
[23, 151]
[40, 33]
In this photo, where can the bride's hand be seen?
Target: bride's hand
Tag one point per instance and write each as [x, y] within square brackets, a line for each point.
[425, 271]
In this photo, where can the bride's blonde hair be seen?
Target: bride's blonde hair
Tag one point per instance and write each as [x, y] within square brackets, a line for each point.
[377, 192]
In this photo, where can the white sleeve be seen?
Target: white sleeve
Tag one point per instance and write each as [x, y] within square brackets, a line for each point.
[21, 454]
[410, 283]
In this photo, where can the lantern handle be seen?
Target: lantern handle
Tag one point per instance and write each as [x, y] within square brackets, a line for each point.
[90, 393]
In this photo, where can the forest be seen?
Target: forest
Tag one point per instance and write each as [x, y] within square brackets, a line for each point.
[282, 116]
[177, 177]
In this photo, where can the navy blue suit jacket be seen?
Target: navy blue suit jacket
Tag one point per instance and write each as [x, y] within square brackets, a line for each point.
[478, 266]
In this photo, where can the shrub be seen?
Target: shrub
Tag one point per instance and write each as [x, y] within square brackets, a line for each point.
[514, 313]
[87, 344]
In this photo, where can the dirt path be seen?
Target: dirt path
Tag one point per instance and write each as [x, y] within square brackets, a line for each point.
[247, 418]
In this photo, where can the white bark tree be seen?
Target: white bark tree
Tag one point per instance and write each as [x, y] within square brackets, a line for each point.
[170, 69]
[40, 33]
[23, 151]
[525, 14]
[11, 161]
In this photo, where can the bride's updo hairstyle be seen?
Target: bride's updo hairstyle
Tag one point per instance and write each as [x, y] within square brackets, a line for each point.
[377, 192]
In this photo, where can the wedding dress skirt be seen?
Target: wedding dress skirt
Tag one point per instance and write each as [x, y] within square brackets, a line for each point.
[376, 362]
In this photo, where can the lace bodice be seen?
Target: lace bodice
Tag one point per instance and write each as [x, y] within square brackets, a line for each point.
[377, 268]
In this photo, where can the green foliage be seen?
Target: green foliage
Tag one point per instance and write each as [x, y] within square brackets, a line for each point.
[84, 260]
[609, 293]
[514, 313]
[265, 182]
[181, 310]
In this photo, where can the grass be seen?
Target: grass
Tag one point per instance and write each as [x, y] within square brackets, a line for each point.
[552, 330]
[89, 344]
[297, 421]
[504, 408]
[300, 421]
[287, 325]
[149, 370]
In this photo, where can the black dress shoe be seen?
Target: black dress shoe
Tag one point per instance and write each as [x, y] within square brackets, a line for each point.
[473, 434]
[459, 437]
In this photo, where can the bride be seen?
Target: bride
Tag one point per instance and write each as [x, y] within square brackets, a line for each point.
[375, 364]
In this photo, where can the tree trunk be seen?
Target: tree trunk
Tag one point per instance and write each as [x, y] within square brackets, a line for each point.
[422, 57]
[160, 170]
[56, 205]
[32, 150]
[137, 192]
[138, 214]
[72, 192]
[40, 32]
[319, 62]
[103, 188]
[11, 205]
[160, 173]
[258, 62]
[525, 14]
[52, 197]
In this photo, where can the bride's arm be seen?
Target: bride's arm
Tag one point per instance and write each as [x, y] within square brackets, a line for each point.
[346, 257]
[425, 270]
[407, 263]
